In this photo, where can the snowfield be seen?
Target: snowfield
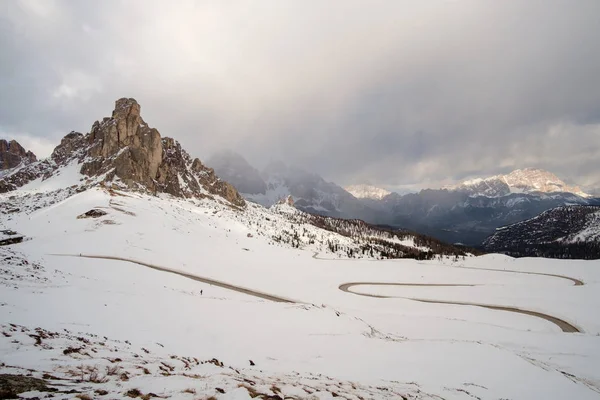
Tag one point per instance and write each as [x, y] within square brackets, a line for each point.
[114, 328]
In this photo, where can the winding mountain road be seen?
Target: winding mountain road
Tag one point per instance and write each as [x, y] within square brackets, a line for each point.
[209, 281]
[562, 324]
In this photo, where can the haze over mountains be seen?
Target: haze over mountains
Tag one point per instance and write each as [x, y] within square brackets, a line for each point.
[465, 213]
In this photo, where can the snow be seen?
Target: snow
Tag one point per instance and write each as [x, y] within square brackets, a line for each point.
[367, 192]
[527, 180]
[64, 177]
[274, 193]
[328, 342]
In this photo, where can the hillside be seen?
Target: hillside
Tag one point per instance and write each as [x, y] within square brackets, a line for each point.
[564, 232]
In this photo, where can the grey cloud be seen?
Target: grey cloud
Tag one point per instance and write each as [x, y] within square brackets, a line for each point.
[394, 92]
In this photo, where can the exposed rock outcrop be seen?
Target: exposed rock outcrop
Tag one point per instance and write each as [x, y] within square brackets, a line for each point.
[289, 200]
[12, 154]
[123, 150]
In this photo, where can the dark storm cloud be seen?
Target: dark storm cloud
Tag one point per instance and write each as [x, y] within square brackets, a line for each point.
[393, 92]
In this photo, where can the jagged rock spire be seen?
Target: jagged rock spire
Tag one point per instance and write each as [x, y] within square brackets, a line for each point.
[12, 154]
[123, 150]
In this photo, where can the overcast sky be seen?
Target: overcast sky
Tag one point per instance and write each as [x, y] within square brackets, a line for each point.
[396, 93]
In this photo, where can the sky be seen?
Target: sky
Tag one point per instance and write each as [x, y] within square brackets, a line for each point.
[395, 93]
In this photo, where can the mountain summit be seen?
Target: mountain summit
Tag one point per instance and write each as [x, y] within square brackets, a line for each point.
[124, 152]
[367, 192]
[527, 180]
[12, 154]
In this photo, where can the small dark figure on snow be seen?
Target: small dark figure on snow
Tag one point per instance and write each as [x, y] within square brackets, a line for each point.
[200, 292]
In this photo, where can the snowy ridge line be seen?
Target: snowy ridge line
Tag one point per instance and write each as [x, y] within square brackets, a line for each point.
[209, 281]
[562, 324]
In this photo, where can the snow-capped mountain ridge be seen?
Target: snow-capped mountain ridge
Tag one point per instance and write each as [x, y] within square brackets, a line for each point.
[527, 180]
[364, 191]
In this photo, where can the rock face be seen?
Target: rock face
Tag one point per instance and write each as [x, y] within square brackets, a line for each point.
[124, 146]
[124, 151]
[12, 154]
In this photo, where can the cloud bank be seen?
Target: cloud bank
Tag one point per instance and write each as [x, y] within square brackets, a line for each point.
[395, 92]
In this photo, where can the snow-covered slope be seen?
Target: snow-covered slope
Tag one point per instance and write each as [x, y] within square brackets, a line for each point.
[528, 180]
[89, 326]
[181, 292]
[367, 192]
[563, 232]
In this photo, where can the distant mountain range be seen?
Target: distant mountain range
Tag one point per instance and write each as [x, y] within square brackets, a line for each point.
[528, 180]
[367, 192]
[466, 213]
[310, 192]
[562, 232]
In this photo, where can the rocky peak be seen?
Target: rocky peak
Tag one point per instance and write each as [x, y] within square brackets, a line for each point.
[124, 151]
[539, 180]
[527, 180]
[12, 154]
[364, 191]
[71, 146]
[289, 200]
[124, 148]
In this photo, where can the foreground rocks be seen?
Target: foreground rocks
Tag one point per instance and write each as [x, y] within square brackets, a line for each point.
[13, 385]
